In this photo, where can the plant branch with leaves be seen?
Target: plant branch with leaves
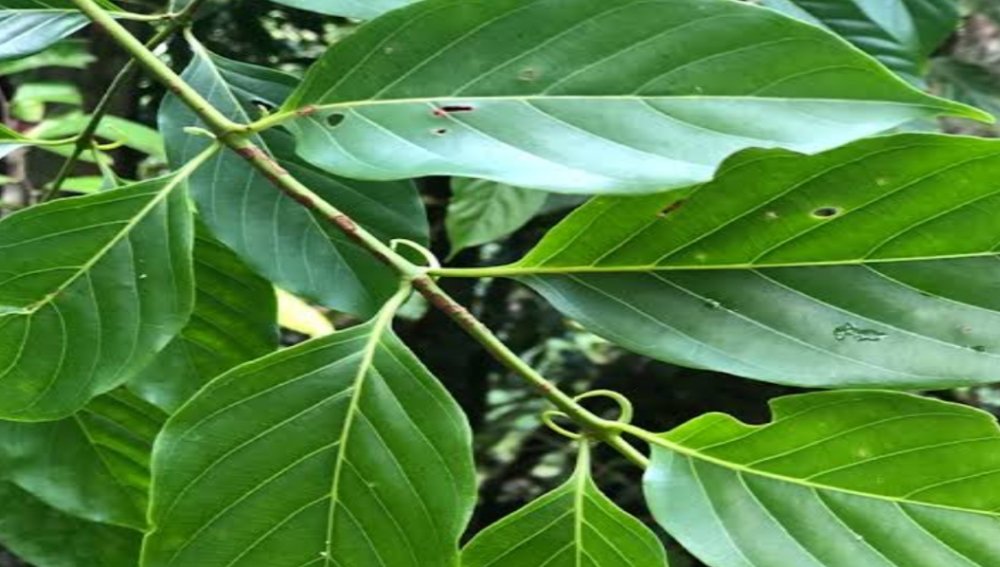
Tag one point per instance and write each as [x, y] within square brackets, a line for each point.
[746, 216]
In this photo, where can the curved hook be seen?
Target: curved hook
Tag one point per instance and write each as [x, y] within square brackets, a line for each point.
[432, 261]
[624, 404]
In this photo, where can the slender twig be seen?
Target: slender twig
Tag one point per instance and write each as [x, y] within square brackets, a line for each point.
[237, 138]
[86, 138]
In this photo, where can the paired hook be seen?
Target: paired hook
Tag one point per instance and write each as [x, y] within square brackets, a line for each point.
[627, 412]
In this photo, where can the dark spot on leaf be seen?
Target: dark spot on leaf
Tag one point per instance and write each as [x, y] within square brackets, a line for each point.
[441, 131]
[826, 212]
[335, 120]
[979, 348]
[671, 208]
[452, 109]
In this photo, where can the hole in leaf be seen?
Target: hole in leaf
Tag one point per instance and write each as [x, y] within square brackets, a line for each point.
[441, 131]
[452, 109]
[671, 208]
[335, 120]
[826, 212]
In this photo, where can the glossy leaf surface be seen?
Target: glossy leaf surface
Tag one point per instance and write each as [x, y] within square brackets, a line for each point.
[29, 26]
[575, 525]
[845, 479]
[234, 321]
[620, 96]
[93, 465]
[91, 288]
[484, 211]
[49, 538]
[871, 265]
[273, 234]
[340, 451]
[901, 34]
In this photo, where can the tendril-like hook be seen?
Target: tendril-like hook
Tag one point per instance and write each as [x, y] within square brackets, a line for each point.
[432, 261]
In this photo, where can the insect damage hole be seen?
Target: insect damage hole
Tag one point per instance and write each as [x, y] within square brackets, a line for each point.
[827, 212]
[440, 131]
[335, 120]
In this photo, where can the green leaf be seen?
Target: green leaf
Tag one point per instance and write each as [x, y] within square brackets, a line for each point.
[357, 9]
[296, 249]
[901, 34]
[30, 99]
[87, 184]
[93, 465]
[112, 129]
[870, 265]
[575, 525]
[343, 450]
[606, 96]
[29, 26]
[68, 54]
[91, 288]
[484, 211]
[234, 321]
[10, 141]
[48, 538]
[845, 479]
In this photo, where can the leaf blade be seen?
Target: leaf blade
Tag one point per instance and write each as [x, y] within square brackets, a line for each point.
[483, 90]
[130, 248]
[380, 472]
[890, 289]
[287, 243]
[856, 518]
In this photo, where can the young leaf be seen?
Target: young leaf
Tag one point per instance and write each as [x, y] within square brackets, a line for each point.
[91, 288]
[70, 54]
[870, 265]
[484, 211]
[845, 479]
[29, 26]
[10, 140]
[48, 538]
[112, 128]
[901, 34]
[341, 451]
[273, 234]
[605, 96]
[357, 9]
[234, 321]
[575, 525]
[93, 465]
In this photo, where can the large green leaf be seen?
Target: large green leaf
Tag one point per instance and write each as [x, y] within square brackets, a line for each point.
[845, 479]
[575, 525]
[29, 26]
[93, 465]
[341, 451]
[48, 538]
[902, 34]
[871, 265]
[91, 288]
[484, 211]
[358, 9]
[616, 96]
[294, 248]
[234, 321]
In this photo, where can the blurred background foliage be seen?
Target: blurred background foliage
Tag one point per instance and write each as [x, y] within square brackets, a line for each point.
[472, 223]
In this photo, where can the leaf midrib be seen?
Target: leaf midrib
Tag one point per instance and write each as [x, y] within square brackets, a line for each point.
[99, 255]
